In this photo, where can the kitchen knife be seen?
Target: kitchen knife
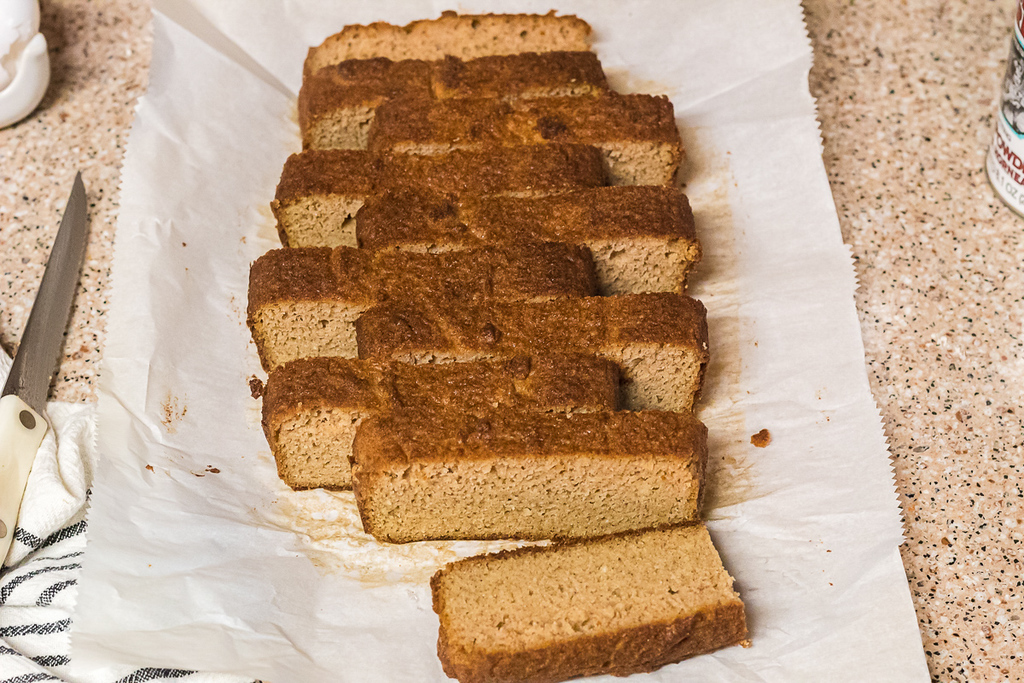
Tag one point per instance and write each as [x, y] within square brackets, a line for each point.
[23, 399]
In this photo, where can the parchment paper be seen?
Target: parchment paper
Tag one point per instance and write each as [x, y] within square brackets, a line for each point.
[199, 558]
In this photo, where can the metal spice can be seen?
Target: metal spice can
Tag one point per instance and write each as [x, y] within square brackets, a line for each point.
[1005, 163]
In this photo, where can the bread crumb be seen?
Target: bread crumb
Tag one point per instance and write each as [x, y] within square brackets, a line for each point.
[256, 386]
[761, 439]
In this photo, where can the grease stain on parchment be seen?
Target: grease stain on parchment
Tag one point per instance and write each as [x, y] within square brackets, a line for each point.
[237, 311]
[706, 178]
[623, 81]
[254, 414]
[266, 228]
[332, 536]
[172, 412]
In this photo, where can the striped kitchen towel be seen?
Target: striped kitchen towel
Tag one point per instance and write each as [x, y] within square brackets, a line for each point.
[39, 575]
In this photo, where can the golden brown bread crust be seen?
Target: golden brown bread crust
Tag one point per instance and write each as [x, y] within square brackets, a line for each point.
[520, 75]
[548, 382]
[626, 652]
[521, 271]
[470, 35]
[317, 383]
[410, 122]
[370, 82]
[412, 215]
[391, 441]
[518, 271]
[503, 329]
[531, 168]
[349, 172]
[636, 650]
[294, 275]
[380, 72]
[357, 173]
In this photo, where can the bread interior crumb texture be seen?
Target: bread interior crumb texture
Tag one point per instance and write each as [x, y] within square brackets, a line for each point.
[313, 447]
[639, 163]
[632, 266]
[554, 496]
[290, 330]
[658, 377]
[347, 128]
[321, 221]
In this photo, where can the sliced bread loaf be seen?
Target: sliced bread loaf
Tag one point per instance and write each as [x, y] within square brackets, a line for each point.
[337, 103]
[642, 238]
[636, 133]
[618, 605]
[465, 36]
[311, 407]
[304, 301]
[421, 475]
[660, 341]
[321, 190]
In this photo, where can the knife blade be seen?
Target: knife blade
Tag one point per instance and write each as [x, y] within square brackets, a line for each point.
[23, 399]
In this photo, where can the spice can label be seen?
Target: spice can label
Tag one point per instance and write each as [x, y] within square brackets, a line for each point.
[1005, 163]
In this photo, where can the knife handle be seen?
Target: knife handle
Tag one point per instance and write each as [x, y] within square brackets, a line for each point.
[21, 432]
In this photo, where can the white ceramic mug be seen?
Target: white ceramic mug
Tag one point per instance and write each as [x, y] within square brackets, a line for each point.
[24, 60]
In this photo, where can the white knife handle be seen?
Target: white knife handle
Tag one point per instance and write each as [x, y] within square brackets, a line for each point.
[21, 432]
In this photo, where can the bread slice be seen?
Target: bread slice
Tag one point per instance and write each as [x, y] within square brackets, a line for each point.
[637, 134]
[642, 238]
[305, 301]
[660, 341]
[465, 36]
[428, 475]
[618, 605]
[311, 407]
[337, 103]
[321, 190]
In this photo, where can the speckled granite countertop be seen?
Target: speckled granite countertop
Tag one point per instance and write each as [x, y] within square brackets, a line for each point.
[907, 94]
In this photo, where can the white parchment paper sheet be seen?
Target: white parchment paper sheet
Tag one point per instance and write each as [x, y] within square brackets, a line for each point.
[200, 558]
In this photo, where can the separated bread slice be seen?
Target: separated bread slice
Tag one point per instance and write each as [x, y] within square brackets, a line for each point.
[660, 341]
[338, 103]
[311, 407]
[618, 605]
[637, 134]
[642, 238]
[421, 475]
[321, 190]
[465, 36]
[304, 301]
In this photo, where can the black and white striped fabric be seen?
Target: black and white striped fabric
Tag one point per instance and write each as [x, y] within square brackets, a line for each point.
[36, 598]
[38, 580]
